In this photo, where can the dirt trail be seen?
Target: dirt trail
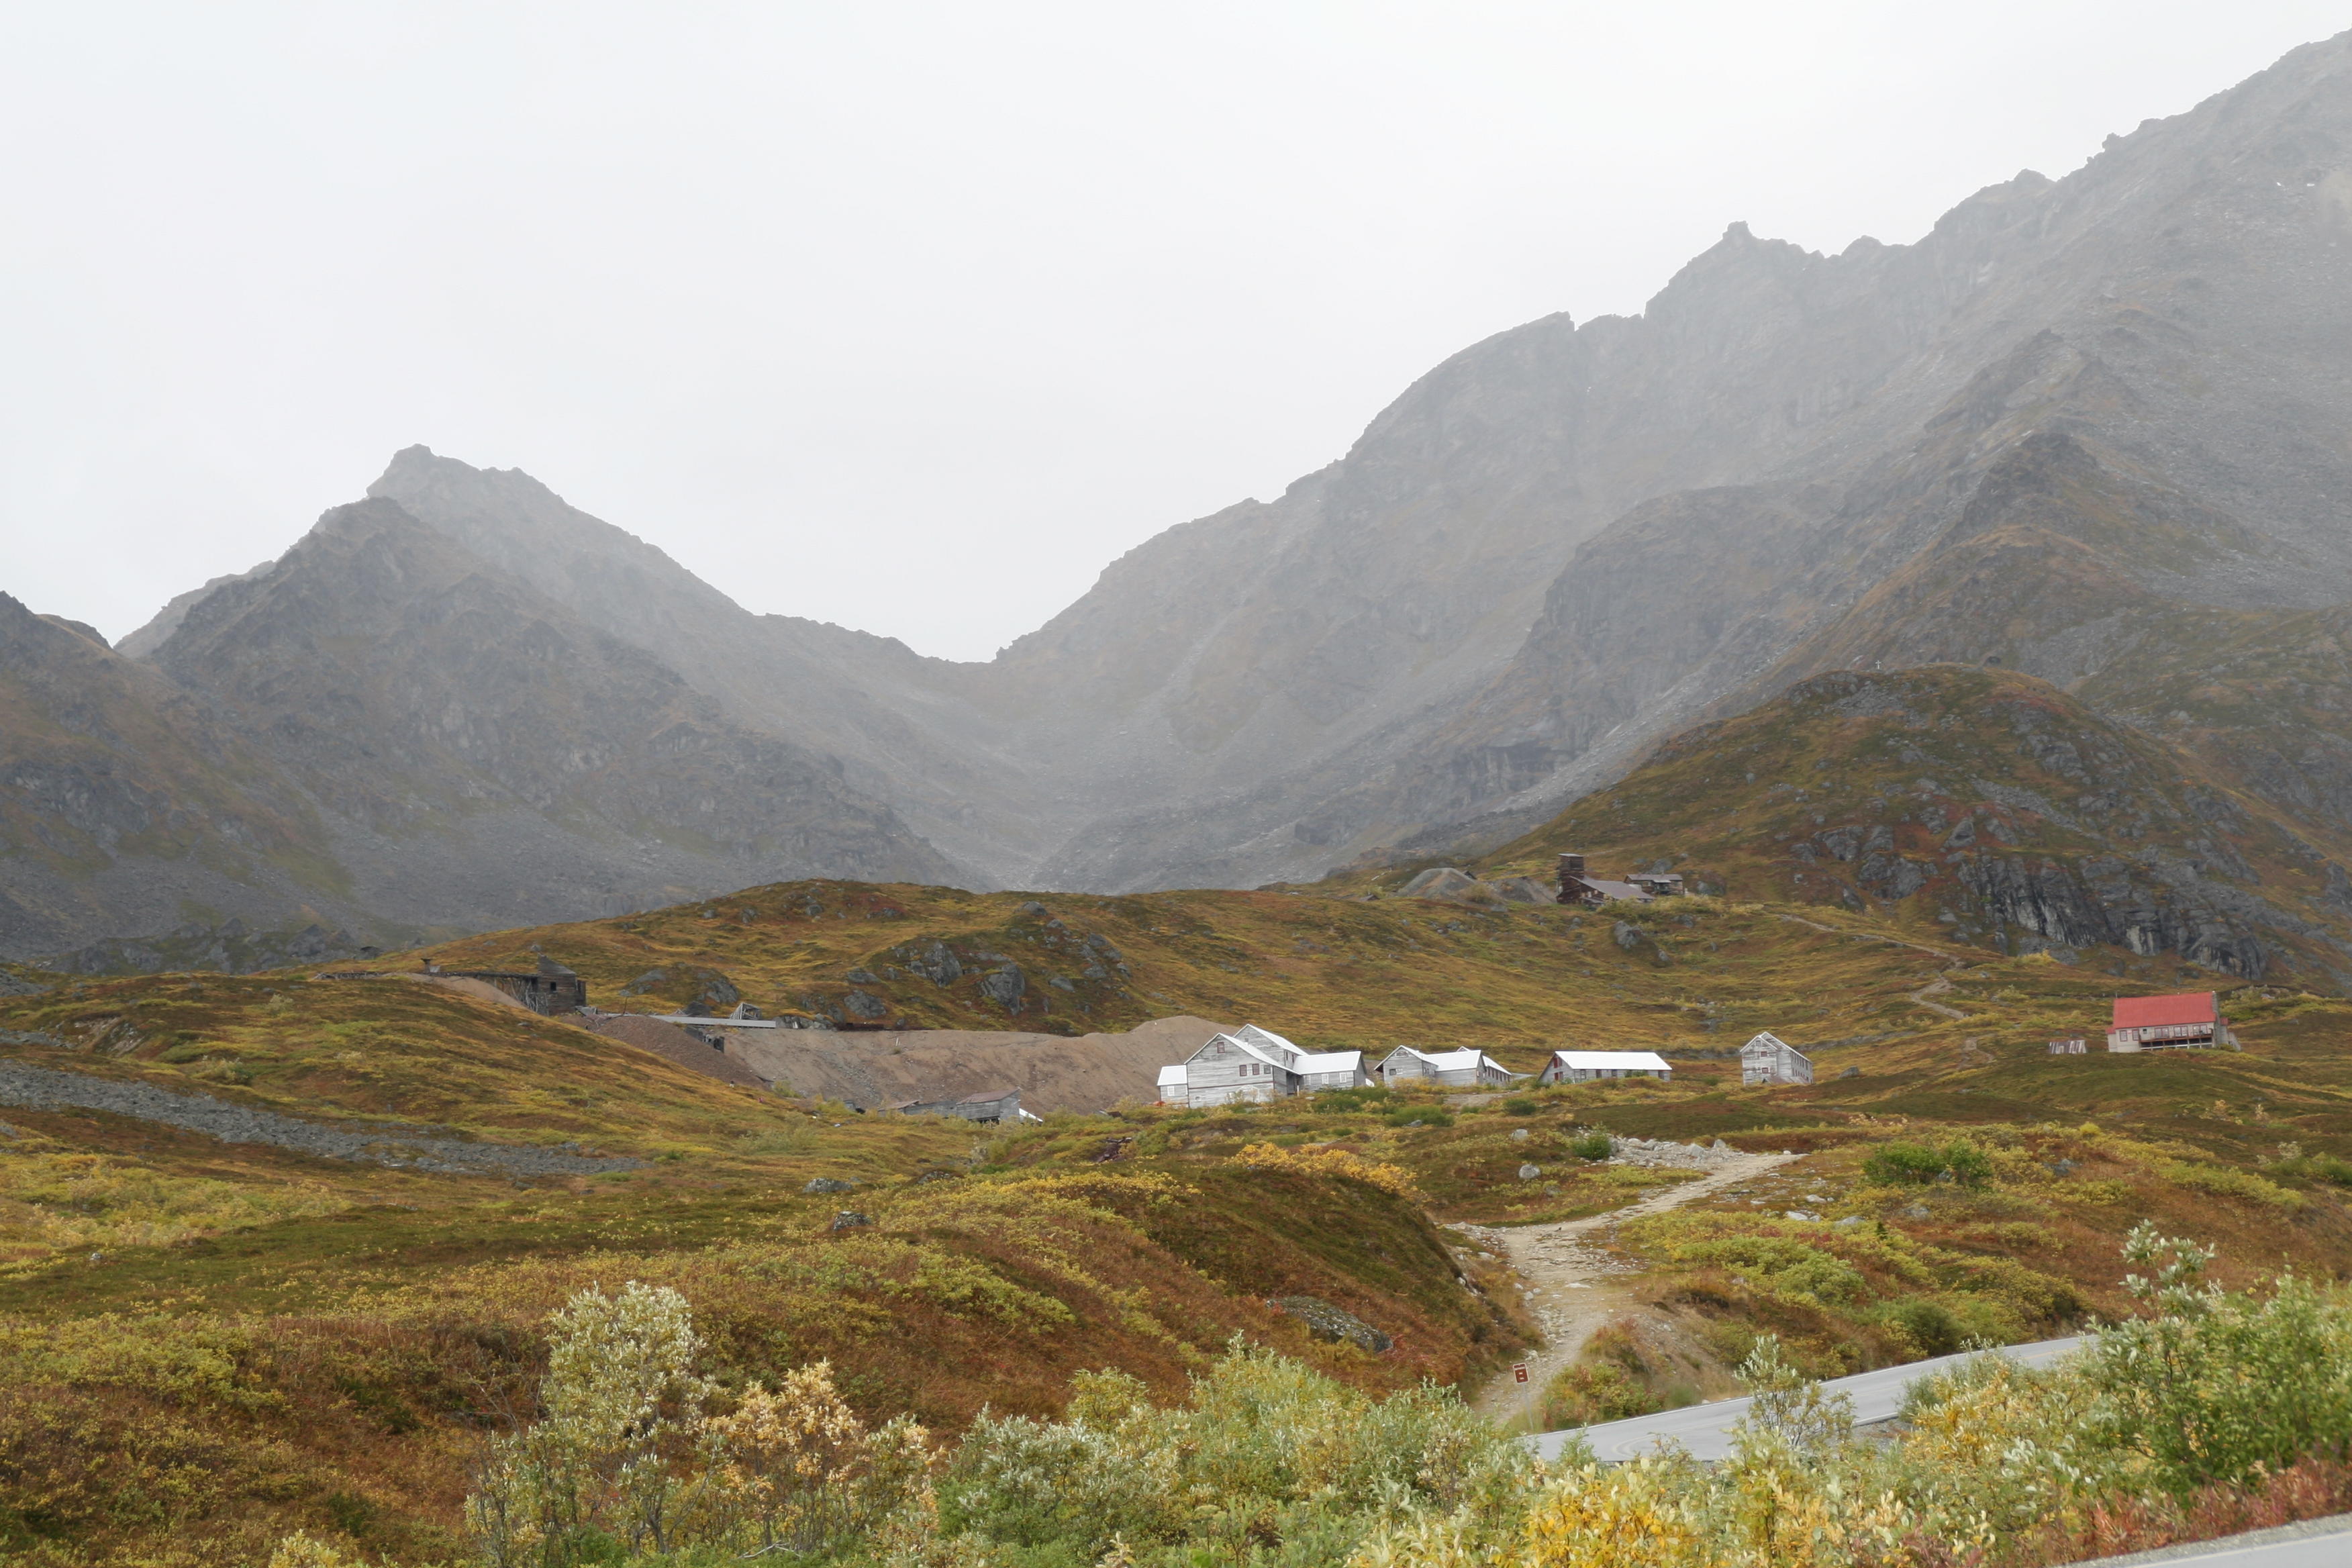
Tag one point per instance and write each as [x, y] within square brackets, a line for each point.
[1934, 986]
[1573, 1287]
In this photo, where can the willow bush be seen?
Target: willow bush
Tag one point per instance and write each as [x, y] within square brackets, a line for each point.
[2209, 1406]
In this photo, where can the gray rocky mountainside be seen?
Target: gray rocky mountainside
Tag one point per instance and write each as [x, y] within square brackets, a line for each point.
[387, 735]
[2094, 429]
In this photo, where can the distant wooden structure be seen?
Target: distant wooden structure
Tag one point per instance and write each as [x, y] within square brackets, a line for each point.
[1467, 1068]
[1767, 1058]
[1254, 1064]
[988, 1105]
[551, 989]
[1586, 1067]
[2068, 1047]
[1590, 892]
[2189, 1021]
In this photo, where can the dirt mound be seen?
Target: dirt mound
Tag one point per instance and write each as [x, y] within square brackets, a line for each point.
[1054, 1072]
[670, 1042]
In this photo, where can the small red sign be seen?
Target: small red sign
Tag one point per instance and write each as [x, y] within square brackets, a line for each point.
[1518, 1372]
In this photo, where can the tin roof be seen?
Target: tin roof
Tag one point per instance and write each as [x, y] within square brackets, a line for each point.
[1462, 1060]
[1327, 1061]
[2156, 1012]
[1644, 1061]
[1269, 1056]
[1172, 1077]
[1264, 1039]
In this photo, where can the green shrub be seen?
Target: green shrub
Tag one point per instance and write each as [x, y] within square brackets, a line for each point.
[1593, 1146]
[2315, 1168]
[1263, 1448]
[1958, 1162]
[1928, 1325]
[1610, 1380]
[1370, 1098]
[2216, 1387]
[1778, 1265]
[1518, 1105]
[1420, 1116]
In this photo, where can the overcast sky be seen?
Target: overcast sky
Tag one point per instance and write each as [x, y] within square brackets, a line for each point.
[911, 317]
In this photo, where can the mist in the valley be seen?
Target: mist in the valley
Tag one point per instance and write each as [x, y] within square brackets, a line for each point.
[909, 318]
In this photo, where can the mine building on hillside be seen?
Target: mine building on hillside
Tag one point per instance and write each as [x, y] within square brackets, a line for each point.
[1767, 1058]
[1657, 884]
[1469, 1068]
[551, 989]
[988, 1105]
[1252, 1064]
[2187, 1022]
[1585, 1067]
[1591, 892]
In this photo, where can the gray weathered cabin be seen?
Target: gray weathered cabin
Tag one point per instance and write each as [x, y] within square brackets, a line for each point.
[1585, 1067]
[1467, 1068]
[1767, 1058]
[1252, 1064]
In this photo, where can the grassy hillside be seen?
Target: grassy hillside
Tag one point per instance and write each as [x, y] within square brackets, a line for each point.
[1333, 968]
[241, 1339]
[1977, 807]
[210, 1342]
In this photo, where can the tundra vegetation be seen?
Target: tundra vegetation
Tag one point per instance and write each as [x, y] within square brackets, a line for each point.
[2206, 1407]
[212, 1352]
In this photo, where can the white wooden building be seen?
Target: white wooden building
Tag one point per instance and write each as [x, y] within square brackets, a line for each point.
[1252, 1064]
[1469, 1068]
[1769, 1058]
[1584, 1067]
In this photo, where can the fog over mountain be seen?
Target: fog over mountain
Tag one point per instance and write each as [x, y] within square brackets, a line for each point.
[2097, 429]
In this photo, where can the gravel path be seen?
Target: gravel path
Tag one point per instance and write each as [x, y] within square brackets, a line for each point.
[405, 1148]
[1573, 1287]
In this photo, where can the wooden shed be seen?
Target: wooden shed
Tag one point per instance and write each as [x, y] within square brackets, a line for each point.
[1584, 1067]
[1467, 1068]
[1769, 1058]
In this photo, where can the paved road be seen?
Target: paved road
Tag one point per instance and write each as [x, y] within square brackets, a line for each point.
[1705, 1429]
[2314, 1543]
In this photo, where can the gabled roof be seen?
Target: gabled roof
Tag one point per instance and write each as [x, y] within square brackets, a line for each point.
[2156, 1012]
[986, 1095]
[1467, 1059]
[1271, 1057]
[1645, 1061]
[1266, 1041]
[1765, 1040]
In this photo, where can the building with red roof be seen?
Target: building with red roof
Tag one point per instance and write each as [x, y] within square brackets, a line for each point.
[2187, 1022]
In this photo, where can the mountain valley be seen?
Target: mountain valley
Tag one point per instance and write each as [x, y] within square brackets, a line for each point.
[2089, 428]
